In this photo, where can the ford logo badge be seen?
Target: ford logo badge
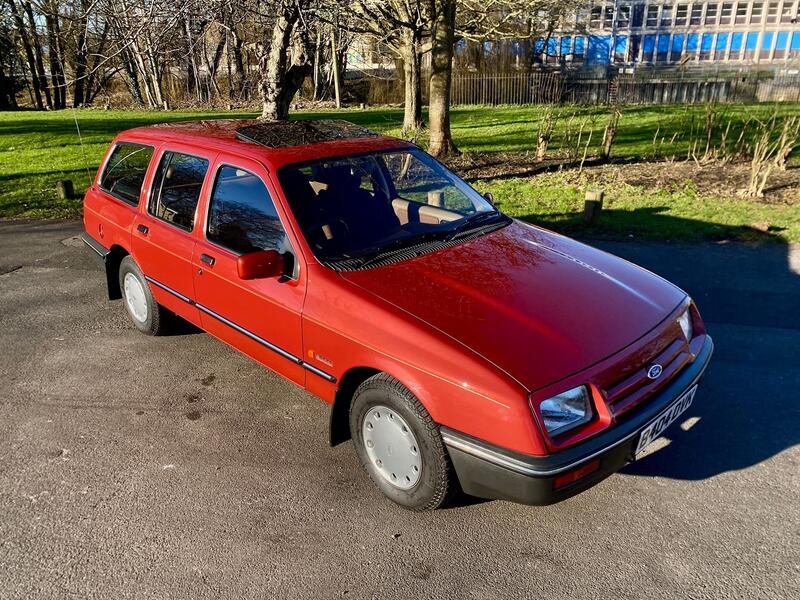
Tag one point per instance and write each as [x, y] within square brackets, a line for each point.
[654, 372]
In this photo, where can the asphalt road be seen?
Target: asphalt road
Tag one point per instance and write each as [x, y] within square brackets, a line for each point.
[137, 467]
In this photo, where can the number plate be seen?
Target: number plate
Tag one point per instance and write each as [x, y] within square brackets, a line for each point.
[665, 419]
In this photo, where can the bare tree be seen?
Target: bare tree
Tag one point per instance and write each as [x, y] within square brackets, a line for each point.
[442, 15]
[287, 62]
[402, 26]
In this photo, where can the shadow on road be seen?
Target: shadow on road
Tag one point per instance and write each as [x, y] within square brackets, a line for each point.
[749, 295]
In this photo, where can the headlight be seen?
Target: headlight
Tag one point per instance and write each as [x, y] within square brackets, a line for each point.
[685, 321]
[566, 410]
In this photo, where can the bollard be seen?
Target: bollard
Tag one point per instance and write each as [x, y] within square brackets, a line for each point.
[592, 206]
[65, 189]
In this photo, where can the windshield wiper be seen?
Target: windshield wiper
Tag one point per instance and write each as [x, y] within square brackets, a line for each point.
[475, 221]
[381, 250]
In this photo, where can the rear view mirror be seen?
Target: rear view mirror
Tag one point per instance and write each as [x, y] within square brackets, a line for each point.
[263, 264]
[489, 197]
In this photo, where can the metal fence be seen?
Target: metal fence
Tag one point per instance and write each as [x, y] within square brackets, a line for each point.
[603, 87]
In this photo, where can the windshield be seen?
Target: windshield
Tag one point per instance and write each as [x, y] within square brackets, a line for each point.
[361, 206]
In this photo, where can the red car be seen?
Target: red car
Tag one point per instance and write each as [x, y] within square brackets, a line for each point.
[454, 344]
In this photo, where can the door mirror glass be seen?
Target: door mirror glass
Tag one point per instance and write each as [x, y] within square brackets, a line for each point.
[263, 264]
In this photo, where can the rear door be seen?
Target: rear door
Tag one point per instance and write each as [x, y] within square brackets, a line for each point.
[163, 240]
[260, 317]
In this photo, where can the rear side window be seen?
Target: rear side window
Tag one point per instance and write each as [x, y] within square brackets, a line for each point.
[176, 188]
[242, 215]
[125, 170]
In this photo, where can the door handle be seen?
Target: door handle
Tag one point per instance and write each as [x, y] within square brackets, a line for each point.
[209, 260]
[143, 229]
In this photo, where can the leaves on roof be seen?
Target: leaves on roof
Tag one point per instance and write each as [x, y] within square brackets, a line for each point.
[285, 134]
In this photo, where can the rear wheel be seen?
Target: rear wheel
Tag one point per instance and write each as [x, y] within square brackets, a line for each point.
[147, 315]
[399, 445]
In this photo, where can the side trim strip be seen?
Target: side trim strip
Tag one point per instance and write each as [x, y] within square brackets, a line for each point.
[94, 245]
[251, 335]
[170, 290]
[267, 344]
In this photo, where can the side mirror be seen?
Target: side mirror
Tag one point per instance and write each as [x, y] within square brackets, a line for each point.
[489, 197]
[263, 264]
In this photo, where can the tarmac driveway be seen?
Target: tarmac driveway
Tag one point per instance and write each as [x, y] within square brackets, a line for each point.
[137, 467]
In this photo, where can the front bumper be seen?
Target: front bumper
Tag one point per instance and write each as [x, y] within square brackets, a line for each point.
[488, 471]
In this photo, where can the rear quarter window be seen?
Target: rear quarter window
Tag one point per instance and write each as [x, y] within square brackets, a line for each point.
[125, 169]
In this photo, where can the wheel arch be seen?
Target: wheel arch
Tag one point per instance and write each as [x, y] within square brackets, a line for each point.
[340, 410]
[113, 260]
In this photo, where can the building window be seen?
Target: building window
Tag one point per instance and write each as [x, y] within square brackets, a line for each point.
[594, 17]
[697, 14]
[624, 16]
[681, 12]
[766, 45]
[781, 42]
[706, 46]
[721, 46]
[621, 48]
[662, 47]
[566, 42]
[736, 46]
[756, 12]
[772, 12]
[794, 48]
[786, 12]
[725, 13]
[692, 41]
[750, 45]
[677, 47]
[666, 15]
[652, 16]
[608, 17]
[648, 46]
[741, 13]
[638, 15]
[711, 14]
[579, 50]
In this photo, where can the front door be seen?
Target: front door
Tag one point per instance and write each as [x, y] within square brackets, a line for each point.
[260, 317]
[162, 234]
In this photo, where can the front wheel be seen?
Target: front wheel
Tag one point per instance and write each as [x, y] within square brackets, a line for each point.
[399, 445]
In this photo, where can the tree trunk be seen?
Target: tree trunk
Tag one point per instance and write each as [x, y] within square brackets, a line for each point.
[37, 51]
[279, 84]
[54, 54]
[90, 89]
[79, 65]
[22, 31]
[442, 37]
[412, 71]
[238, 61]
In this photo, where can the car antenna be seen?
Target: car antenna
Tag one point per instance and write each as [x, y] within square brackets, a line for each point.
[83, 152]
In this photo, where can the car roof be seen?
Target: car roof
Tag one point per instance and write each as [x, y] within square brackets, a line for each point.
[276, 143]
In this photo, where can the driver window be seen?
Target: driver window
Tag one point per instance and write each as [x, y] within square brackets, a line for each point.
[242, 216]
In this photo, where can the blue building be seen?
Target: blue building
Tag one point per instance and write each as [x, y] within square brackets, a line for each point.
[663, 32]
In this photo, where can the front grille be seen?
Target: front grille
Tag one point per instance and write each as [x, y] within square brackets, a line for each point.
[626, 394]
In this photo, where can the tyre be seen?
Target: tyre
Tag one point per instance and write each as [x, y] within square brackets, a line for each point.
[399, 445]
[147, 315]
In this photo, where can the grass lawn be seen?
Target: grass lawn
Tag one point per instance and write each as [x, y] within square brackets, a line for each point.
[39, 148]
